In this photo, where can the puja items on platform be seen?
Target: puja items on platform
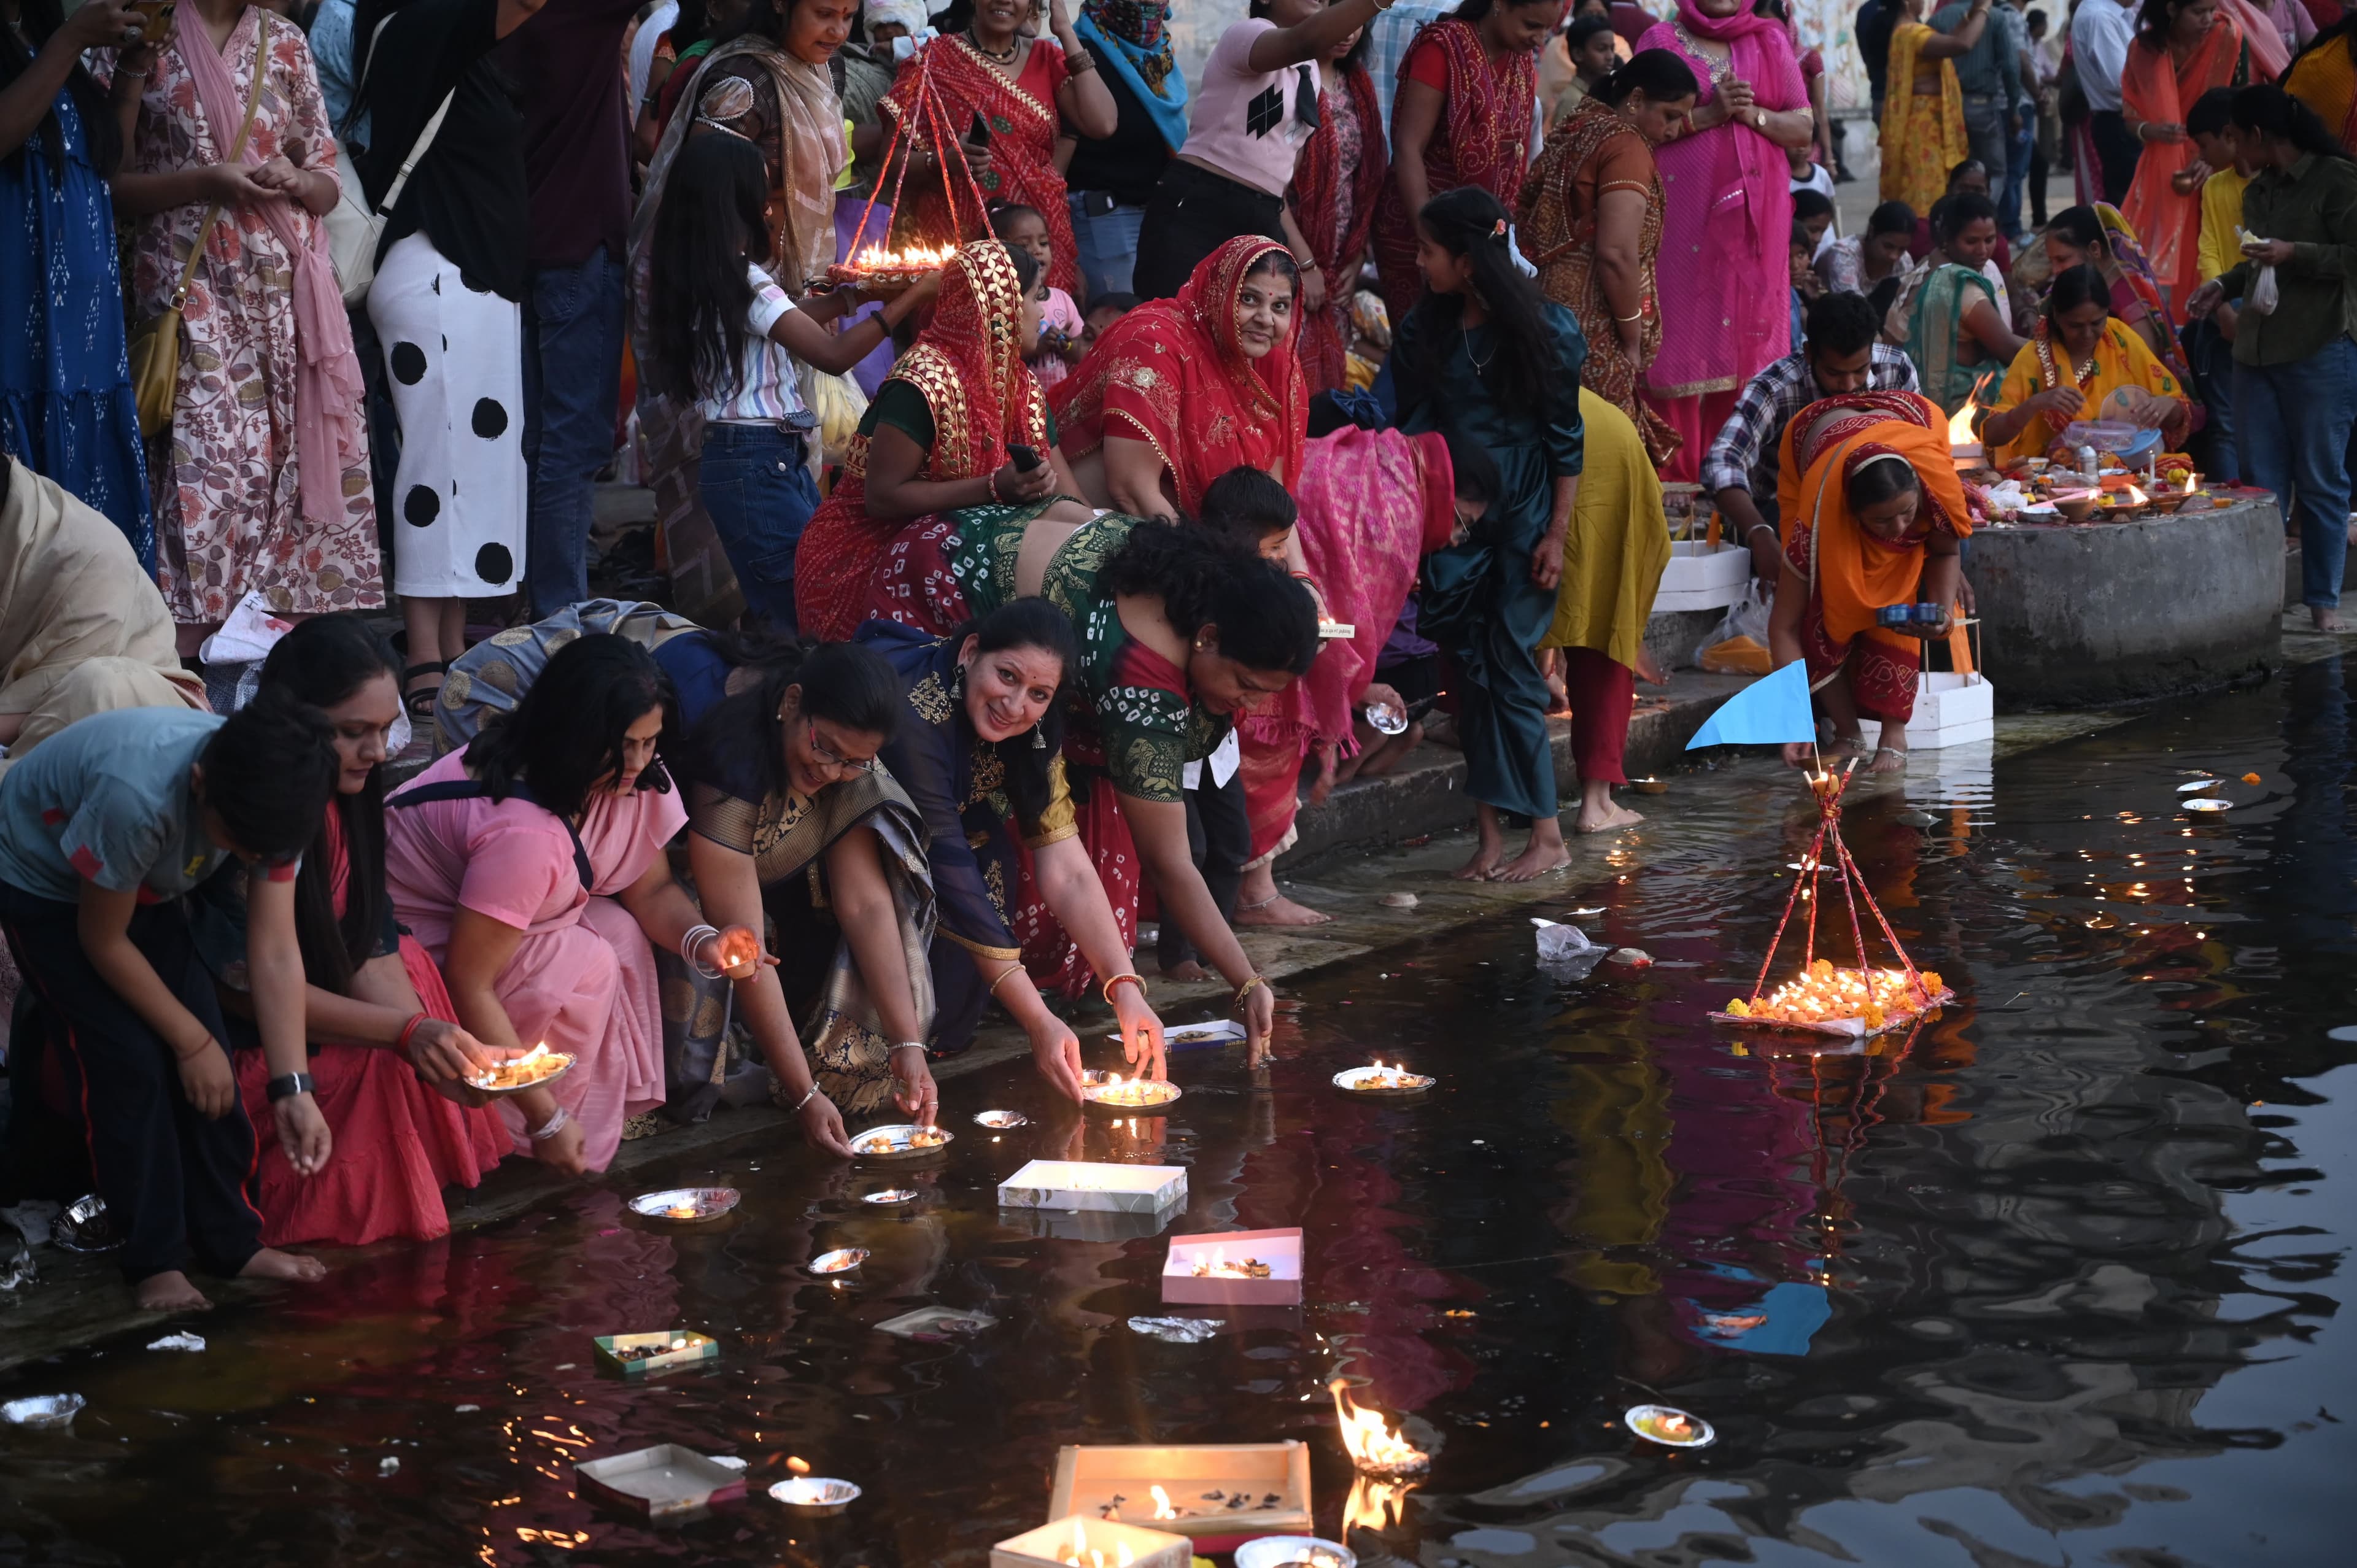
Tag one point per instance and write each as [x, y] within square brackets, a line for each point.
[1824, 994]
[1294, 1551]
[535, 1067]
[1081, 1185]
[1219, 1493]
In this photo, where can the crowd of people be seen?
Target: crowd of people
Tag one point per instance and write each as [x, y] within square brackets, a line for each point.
[1257, 426]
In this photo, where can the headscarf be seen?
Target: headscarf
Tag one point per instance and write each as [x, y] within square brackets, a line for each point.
[1136, 44]
[328, 392]
[1173, 373]
[968, 366]
[1852, 574]
[1726, 30]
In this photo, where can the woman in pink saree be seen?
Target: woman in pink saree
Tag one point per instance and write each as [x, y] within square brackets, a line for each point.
[1727, 307]
[531, 865]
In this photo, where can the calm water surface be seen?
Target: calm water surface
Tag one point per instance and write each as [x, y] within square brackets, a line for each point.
[2054, 1281]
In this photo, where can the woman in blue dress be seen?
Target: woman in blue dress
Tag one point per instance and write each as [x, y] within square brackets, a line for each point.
[66, 408]
[1486, 356]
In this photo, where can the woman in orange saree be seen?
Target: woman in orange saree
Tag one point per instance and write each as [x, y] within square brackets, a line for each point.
[1873, 513]
[2182, 49]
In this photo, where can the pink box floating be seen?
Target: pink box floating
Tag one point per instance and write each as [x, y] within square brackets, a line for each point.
[1280, 1249]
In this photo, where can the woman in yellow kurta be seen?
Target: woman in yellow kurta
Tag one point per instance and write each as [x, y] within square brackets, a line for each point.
[1923, 111]
[1613, 556]
[2082, 364]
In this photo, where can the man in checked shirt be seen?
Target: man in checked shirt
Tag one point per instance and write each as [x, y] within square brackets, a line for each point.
[1843, 355]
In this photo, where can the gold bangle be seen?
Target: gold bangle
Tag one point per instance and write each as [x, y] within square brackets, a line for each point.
[1245, 990]
[1106, 989]
[1004, 974]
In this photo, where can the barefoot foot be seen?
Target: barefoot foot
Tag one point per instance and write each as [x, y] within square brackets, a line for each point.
[1613, 816]
[1483, 866]
[1888, 759]
[2326, 619]
[170, 1291]
[1188, 971]
[1279, 911]
[270, 1264]
[1534, 863]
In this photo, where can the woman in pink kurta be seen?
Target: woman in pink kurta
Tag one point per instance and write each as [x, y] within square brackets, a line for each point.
[1726, 305]
[262, 482]
[578, 905]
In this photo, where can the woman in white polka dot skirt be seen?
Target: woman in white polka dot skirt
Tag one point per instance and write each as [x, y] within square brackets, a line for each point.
[451, 274]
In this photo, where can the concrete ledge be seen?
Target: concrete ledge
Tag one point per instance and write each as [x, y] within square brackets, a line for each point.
[2116, 612]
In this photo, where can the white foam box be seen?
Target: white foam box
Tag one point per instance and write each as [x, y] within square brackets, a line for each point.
[1086, 1184]
[1951, 710]
[1081, 1537]
[1280, 1249]
[1702, 577]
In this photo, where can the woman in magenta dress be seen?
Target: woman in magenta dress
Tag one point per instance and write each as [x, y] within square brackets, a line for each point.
[1727, 308]
[531, 865]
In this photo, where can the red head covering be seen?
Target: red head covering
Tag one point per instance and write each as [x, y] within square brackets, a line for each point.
[1173, 373]
[968, 365]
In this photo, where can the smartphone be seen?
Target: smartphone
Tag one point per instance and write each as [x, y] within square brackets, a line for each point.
[1025, 458]
[153, 15]
[978, 133]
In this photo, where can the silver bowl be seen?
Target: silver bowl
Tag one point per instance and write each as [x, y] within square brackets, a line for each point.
[890, 1195]
[43, 1412]
[1001, 1121]
[86, 1227]
[1294, 1551]
[704, 1203]
[816, 1497]
[842, 1261]
[492, 1088]
[894, 1143]
[1094, 1083]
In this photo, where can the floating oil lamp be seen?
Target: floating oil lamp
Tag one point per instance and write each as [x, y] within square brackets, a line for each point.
[2208, 804]
[1374, 1445]
[687, 1205]
[42, 1411]
[890, 1195]
[1379, 1081]
[843, 1260]
[2197, 786]
[1822, 994]
[875, 266]
[1111, 1091]
[814, 1497]
[1001, 1121]
[537, 1066]
[900, 1141]
[1650, 786]
[1671, 1427]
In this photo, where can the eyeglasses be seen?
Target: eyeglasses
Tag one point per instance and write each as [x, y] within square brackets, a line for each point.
[828, 758]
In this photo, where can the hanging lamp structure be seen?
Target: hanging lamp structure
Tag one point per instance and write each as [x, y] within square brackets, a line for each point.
[1856, 1001]
[878, 266]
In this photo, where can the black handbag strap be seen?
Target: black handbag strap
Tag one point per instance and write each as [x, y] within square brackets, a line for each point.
[469, 789]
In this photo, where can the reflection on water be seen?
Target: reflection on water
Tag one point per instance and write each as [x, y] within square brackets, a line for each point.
[2051, 1280]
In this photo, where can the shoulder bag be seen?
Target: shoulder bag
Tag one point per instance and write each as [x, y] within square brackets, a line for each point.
[356, 230]
[156, 346]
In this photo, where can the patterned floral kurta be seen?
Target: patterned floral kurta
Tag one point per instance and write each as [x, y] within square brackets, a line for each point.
[228, 496]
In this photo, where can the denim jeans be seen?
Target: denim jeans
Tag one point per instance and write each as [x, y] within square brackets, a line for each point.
[1105, 248]
[572, 380]
[2213, 359]
[756, 488]
[2295, 422]
[2010, 179]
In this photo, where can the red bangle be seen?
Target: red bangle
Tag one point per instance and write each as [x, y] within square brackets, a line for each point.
[401, 1044]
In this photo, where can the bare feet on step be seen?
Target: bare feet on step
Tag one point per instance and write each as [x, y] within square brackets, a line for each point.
[270, 1264]
[1188, 971]
[1614, 815]
[1279, 911]
[1534, 863]
[170, 1291]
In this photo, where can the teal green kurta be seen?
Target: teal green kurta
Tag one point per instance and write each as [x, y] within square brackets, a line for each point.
[1479, 603]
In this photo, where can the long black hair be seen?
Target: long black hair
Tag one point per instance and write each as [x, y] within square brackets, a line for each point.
[1474, 10]
[710, 225]
[2082, 226]
[1267, 619]
[1028, 622]
[2153, 18]
[845, 683]
[2271, 111]
[102, 132]
[568, 731]
[1246, 505]
[2074, 286]
[1659, 74]
[1879, 481]
[1469, 222]
[268, 771]
[324, 661]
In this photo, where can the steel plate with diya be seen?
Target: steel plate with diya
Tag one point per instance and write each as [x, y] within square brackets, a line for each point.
[1001, 1121]
[1294, 1551]
[1378, 1082]
[900, 1141]
[685, 1205]
[1668, 1426]
[890, 1195]
[537, 1067]
[816, 1497]
[842, 1261]
[2207, 803]
[1119, 1096]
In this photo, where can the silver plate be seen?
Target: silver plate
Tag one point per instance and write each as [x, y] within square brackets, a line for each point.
[2207, 803]
[1644, 1419]
[708, 1203]
[890, 1195]
[1353, 1080]
[1294, 1551]
[85, 1227]
[1095, 1082]
[1000, 1121]
[842, 1261]
[484, 1088]
[891, 1142]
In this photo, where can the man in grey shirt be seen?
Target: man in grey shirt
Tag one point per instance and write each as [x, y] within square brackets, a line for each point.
[1997, 104]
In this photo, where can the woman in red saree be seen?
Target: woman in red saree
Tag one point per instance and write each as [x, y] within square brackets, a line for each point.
[1462, 116]
[2182, 49]
[1335, 187]
[1180, 391]
[937, 438]
[1873, 513]
[983, 104]
[386, 1050]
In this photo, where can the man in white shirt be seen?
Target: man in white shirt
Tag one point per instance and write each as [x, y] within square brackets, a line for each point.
[2100, 35]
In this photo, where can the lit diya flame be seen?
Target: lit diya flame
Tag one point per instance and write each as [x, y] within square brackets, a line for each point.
[523, 1071]
[1096, 1559]
[1374, 1446]
[1219, 1268]
[1162, 1509]
[917, 258]
[2133, 495]
[1821, 993]
[736, 951]
[799, 1466]
[1117, 1090]
[1376, 1505]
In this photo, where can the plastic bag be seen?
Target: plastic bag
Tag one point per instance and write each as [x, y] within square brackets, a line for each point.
[839, 404]
[2265, 293]
[1739, 644]
[1565, 952]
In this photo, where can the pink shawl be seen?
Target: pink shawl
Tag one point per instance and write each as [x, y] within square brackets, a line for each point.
[1729, 200]
[328, 386]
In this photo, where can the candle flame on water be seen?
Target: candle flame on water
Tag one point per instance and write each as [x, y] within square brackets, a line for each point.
[1374, 1445]
[799, 1466]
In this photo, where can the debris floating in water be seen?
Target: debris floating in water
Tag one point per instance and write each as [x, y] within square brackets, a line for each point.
[1177, 1330]
[179, 1342]
[388, 1465]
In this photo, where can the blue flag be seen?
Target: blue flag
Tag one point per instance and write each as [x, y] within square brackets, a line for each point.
[1765, 713]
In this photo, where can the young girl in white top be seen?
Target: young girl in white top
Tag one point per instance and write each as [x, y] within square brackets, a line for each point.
[729, 339]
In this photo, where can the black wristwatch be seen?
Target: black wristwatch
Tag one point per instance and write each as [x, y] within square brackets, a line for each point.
[291, 1083]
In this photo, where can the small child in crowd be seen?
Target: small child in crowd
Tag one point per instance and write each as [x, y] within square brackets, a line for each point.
[1103, 311]
[1813, 211]
[1061, 328]
[1806, 285]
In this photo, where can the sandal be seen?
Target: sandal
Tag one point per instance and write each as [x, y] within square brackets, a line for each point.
[421, 703]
